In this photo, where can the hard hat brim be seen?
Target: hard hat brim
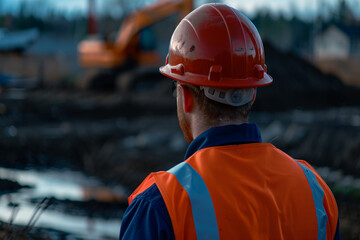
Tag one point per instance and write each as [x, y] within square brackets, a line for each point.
[201, 80]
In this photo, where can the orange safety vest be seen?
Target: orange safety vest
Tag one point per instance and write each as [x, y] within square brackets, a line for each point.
[247, 191]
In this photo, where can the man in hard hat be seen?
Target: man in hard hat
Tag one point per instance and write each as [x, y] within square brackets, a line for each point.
[231, 185]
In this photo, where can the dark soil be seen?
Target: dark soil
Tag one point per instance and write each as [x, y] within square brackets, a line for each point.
[299, 84]
[15, 232]
[7, 186]
[89, 209]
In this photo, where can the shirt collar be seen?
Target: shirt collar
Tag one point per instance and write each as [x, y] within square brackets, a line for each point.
[225, 135]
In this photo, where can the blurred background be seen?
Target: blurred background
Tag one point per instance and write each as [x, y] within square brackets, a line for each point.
[85, 115]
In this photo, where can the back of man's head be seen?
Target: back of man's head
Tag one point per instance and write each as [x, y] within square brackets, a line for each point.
[217, 53]
[214, 111]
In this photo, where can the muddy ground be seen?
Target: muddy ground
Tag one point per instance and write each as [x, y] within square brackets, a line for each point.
[82, 153]
[119, 140]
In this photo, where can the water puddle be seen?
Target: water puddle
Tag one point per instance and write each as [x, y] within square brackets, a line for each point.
[61, 185]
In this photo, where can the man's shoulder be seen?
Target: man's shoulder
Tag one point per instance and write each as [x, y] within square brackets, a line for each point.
[147, 183]
[151, 199]
[151, 194]
[147, 217]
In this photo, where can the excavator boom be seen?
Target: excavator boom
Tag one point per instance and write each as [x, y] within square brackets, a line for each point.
[102, 54]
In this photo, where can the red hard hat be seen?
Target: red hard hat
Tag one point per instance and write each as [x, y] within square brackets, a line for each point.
[216, 46]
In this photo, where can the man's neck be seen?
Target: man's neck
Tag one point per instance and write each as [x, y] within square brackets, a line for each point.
[199, 125]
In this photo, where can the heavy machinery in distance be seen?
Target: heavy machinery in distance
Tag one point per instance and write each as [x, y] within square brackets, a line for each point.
[133, 54]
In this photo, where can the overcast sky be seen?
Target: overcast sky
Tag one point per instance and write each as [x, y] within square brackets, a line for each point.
[304, 8]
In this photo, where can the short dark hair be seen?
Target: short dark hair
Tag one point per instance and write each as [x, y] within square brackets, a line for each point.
[214, 111]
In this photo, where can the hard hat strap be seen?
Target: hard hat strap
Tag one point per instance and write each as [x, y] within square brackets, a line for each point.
[233, 97]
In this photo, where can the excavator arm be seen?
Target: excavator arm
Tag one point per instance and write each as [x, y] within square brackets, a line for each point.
[95, 53]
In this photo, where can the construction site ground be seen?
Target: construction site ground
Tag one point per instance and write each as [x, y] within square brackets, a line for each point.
[70, 157]
[115, 141]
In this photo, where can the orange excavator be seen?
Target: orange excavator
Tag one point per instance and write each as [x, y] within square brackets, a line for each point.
[127, 52]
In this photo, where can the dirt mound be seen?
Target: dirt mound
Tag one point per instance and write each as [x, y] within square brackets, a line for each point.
[299, 84]
[7, 186]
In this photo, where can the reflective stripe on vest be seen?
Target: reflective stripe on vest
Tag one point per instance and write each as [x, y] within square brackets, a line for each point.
[201, 203]
[318, 195]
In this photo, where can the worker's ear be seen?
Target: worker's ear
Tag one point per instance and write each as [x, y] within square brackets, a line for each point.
[187, 98]
[254, 97]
